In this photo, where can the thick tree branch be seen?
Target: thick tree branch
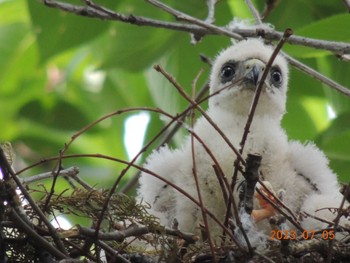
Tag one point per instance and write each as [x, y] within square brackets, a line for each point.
[201, 28]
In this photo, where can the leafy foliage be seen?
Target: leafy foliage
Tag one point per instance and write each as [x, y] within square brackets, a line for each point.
[48, 57]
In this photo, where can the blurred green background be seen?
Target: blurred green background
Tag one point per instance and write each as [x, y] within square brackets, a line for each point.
[60, 72]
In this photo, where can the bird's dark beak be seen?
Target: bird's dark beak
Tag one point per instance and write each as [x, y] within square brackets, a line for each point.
[253, 71]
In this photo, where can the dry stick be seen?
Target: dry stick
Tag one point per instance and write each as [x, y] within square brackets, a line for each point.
[204, 28]
[184, 17]
[34, 206]
[287, 33]
[131, 183]
[211, 11]
[54, 180]
[130, 164]
[195, 176]
[91, 125]
[116, 183]
[269, 6]
[71, 172]
[347, 3]
[254, 12]
[336, 222]
[315, 74]
[195, 38]
[101, 156]
[220, 173]
[205, 115]
[96, 11]
[199, 99]
[135, 231]
[40, 242]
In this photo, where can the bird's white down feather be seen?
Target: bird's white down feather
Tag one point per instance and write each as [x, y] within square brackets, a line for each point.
[287, 165]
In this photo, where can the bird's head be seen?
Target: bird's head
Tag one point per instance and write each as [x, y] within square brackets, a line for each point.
[236, 73]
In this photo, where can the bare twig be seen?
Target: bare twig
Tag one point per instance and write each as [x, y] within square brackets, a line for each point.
[202, 27]
[206, 116]
[180, 190]
[286, 35]
[39, 241]
[336, 222]
[8, 171]
[169, 135]
[71, 172]
[269, 6]
[195, 176]
[135, 230]
[347, 3]
[184, 17]
[254, 104]
[313, 73]
[254, 12]
[211, 11]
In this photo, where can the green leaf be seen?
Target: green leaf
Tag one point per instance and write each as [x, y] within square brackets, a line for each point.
[58, 31]
[11, 36]
[297, 122]
[339, 72]
[334, 28]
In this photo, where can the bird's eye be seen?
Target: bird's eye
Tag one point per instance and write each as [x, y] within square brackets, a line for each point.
[276, 77]
[227, 73]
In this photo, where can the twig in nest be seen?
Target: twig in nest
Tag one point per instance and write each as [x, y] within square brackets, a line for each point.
[251, 175]
[135, 230]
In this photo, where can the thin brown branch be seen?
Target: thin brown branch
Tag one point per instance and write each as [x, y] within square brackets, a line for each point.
[201, 28]
[71, 171]
[269, 6]
[200, 199]
[336, 222]
[9, 172]
[251, 114]
[135, 230]
[205, 115]
[254, 104]
[198, 27]
[106, 14]
[347, 4]
[211, 11]
[35, 237]
[168, 136]
[101, 156]
[184, 17]
[254, 12]
[195, 176]
[316, 75]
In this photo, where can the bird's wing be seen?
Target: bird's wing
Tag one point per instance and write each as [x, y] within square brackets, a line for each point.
[324, 198]
[164, 162]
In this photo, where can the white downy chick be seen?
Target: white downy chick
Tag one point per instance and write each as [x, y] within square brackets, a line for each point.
[301, 170]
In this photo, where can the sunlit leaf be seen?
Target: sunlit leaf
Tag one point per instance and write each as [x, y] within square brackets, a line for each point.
[58, 31]
[334, 28]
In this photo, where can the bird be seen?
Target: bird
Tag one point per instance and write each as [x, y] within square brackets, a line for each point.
[300, 170]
